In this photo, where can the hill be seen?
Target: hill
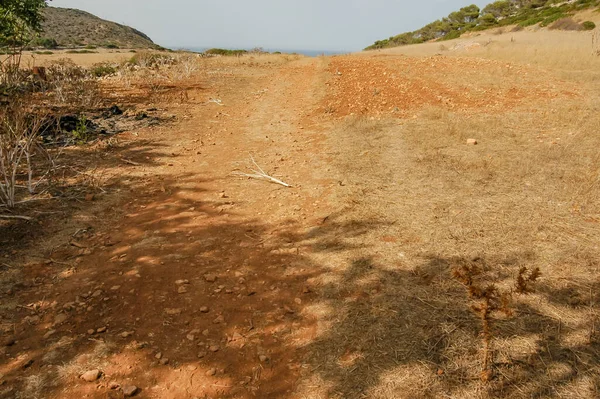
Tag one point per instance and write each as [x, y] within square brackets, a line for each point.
[67, 27]
[521, 13]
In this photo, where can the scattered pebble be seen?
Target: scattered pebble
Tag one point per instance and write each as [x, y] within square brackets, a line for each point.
[91, 375]
[211, 278]
[130, 390]
[204, 309]
[211, 372]
[214, 348]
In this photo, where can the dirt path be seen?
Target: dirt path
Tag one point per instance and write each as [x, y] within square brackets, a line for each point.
[186, 281]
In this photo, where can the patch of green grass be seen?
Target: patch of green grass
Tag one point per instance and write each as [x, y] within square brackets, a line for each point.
[43, 52]
[103, 69]
[81, 52]
[225, 52]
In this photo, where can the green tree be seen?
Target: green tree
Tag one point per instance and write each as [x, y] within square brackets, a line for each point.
[19, 19]
[499, 9]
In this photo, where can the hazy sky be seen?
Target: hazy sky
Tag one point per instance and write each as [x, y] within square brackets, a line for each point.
[273, 24]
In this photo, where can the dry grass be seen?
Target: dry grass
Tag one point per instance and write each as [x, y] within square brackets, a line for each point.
[569, 54]
[416, 202]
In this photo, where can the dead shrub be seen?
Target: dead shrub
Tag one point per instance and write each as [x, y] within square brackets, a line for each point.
[72, 85]
[566, 24]
[489, 301]
[20, 153]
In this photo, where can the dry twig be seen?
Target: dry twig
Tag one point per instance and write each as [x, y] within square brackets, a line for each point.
[259, 173]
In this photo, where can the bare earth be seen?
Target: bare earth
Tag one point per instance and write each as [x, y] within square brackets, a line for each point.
[188, 281]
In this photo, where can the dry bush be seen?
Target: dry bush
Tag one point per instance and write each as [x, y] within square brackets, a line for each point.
[19, 148]
[152, 59]
[566, 24]
[72, 85]
[489, 300]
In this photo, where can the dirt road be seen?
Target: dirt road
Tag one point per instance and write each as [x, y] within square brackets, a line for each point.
[186, 280]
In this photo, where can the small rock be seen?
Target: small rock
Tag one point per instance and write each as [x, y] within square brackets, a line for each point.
[91, 375]
[130, 390]
[101, 330]
[205, 332]
[471, 141]
[60, 318]
[288, 310]
[164, 361]
[173, 312]
[298, 301]
[115, 287]
[263, 358]
[158, 355]
[126, 334]
[237, 336]
[182, 290]
[114, 385]
[211, 278]
[220, 319]
[182, 282]
[91, 331]
[49, 334]
[204, 309]
[201, 354]
[214, 348]
[190, 337]
[141, 345]
[211, 372]
[97, 293]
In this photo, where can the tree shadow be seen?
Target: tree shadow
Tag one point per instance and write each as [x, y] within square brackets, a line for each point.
[412, 333]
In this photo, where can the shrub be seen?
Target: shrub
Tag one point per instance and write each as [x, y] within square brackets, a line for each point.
[91, 47]
[146, 59]
[43, 52]
[81, 52]
[588, 25]
[46, 43]
[566, 24]
[453, 34]
[103, 69]
[220, 51]
[531, 21]
[111, 45]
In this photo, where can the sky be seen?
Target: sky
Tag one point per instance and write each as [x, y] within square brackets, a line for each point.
[328, 25]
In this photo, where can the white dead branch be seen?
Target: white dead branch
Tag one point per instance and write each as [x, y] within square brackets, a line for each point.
[15, 217]
[216, 101]
[259, 173]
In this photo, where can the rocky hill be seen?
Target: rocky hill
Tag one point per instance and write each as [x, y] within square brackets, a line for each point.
[67, 27]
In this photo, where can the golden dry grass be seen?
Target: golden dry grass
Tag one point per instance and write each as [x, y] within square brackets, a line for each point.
[418, 201]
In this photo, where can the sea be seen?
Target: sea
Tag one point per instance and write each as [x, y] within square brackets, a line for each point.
[308, 53]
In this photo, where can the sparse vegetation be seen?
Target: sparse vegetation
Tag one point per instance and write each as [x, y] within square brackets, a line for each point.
[75, 28]
[225, 52]
[500, 13]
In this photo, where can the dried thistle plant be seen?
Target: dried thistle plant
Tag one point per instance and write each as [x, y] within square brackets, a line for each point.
[489, 301]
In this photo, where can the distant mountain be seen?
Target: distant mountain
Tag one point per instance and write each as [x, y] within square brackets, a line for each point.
[555, 14]
[70, 27]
